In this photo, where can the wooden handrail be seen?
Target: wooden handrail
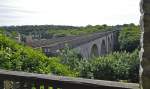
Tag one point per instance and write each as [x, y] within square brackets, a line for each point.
[61, 82]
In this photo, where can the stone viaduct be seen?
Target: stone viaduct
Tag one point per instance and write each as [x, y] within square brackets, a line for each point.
[96, 44]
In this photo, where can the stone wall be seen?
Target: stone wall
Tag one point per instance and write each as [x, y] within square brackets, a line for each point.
[145, 27]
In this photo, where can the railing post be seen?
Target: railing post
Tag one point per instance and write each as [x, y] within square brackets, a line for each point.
[16, 85]
[25, 85]
[1, 84]
[29, 85]
[37, 84]
[46, 86]
[54, 87]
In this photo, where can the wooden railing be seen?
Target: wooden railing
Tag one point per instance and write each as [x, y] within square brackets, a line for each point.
[23, 80]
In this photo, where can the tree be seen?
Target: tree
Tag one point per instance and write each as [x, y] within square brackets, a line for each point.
[71, 58]
[129, 38]
[116, 66]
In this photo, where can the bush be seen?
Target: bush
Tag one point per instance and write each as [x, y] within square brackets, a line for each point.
[129, 38]
[14, 56]
[116, 66]
[71, 58]
[78, 31]
[60, 69]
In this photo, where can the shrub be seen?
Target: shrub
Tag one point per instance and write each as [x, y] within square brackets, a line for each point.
[116, 66]
[129, 38]
[60, 69]
[71, 58]
[14, 56]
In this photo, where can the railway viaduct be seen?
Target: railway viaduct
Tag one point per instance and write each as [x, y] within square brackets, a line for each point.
[96, 44]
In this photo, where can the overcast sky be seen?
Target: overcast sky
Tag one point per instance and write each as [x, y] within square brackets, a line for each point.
[69, 12]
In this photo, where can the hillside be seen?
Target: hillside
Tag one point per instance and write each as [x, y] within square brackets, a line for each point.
[49, 31]
[14, 56]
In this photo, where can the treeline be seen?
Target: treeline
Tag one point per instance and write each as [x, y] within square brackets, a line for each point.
[80, 30]
[49, 31]
[129, 37]
[26, 29]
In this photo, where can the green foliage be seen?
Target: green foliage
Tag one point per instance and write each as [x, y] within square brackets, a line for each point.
[1, 30]
[58, 68]
[14, 56]
[78, 31]
[49, 31]
[71, 58]
[116, 66]
[129, 38]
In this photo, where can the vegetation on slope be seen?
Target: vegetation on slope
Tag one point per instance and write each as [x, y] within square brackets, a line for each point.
[14, 56]
[129, 38]
[49, 31]
[79, 31]
[116, 66]
[40, 29]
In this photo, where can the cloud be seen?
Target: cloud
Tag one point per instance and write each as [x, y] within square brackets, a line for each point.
[69, 12]
[9, 9]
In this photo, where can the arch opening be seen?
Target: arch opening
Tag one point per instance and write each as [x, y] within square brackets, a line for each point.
[94, 51]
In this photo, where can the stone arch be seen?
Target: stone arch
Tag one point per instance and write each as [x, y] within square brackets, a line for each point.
[103, 47]
[94, 50]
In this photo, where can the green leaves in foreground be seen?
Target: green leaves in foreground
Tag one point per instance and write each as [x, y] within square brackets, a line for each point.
[14, 56]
